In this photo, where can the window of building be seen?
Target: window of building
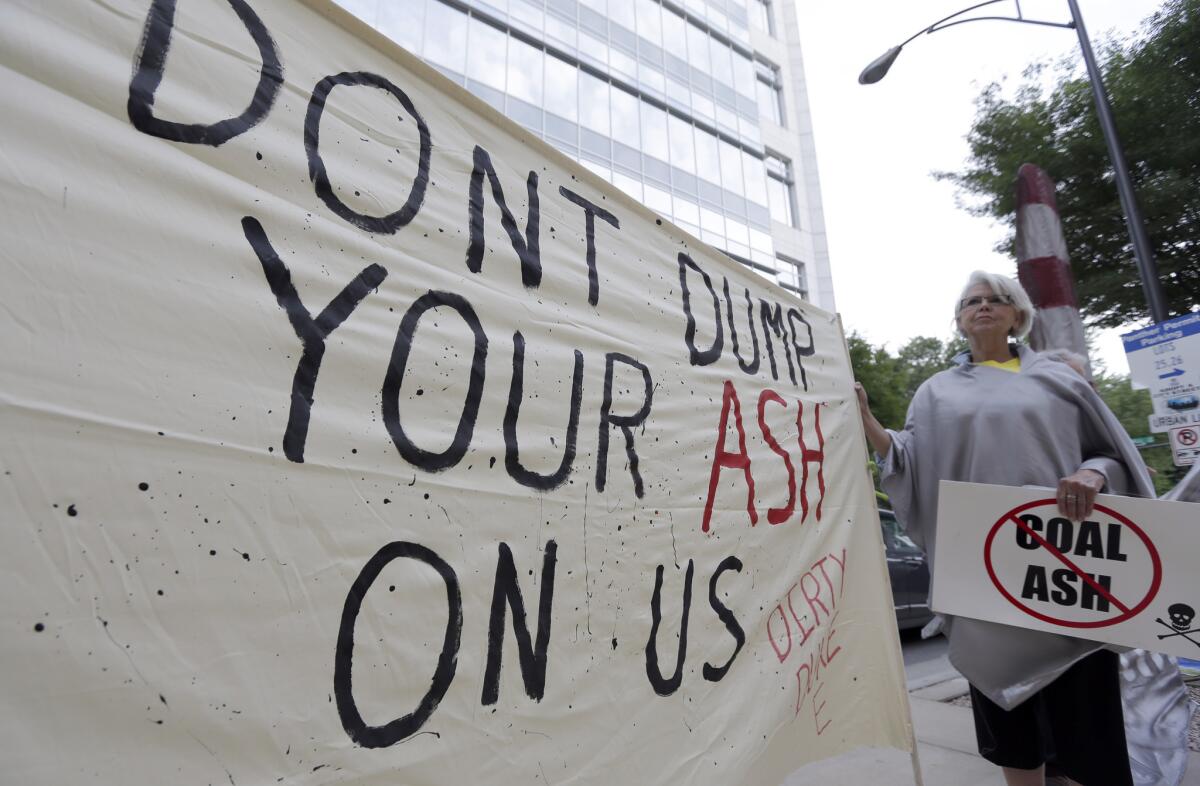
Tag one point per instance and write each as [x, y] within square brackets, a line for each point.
[717, 188]
[717, 19]
[625, 125]
[654, 132]
[562, 88]
[529, 16]
[770, 92]
[593, 49]
[737, 237]
[756, 179]
[762, 250]
[525, 72]
[743, 76]
[486, 54]
[674, 29]
[762, 15]
[445, 30]
[403, 24]
[593, 105]
[738, 23]
[791, 275]
[780, 185]
[687, 212]
[708, 160]
[657, 200]
[768, 103]
[731, 168]
[562, 28]
[630, 185]
[721, 57]
[623, 13]
[649, 21]
[683, 145]
[698, 55]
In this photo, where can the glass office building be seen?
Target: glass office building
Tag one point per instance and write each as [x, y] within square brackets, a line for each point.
[696, 108]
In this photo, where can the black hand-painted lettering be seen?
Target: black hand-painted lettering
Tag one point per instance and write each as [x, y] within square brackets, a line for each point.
[151, 59]
[590, 211]
[801, 351]
[699, 357]
[533, 656]
[713, 673]
[311, 332]
[343, 662]
[388, 224]
[527, 248]
[425, 459]
[625, 422]
[666, 686]
[772, 320]
[512, 452]
[752, 366]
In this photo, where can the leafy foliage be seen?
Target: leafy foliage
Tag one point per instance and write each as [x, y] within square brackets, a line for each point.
[1154, 85]
[892, 381]
[1133, 409]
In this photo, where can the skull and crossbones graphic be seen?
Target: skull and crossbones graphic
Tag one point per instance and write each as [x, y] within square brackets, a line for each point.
[1181, 616]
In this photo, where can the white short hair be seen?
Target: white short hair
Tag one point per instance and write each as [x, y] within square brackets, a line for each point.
[1003, 285]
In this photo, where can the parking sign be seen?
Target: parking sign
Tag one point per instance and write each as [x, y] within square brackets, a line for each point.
[1166, 359]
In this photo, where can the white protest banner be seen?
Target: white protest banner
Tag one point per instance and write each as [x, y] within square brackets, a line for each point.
[352, 434]
[1125, 575]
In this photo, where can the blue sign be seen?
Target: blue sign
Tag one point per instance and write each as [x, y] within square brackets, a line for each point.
[1171, 330]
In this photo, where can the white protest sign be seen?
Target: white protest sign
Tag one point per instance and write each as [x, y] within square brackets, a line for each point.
[1165, 358]
[1125, 575]
[352, 434]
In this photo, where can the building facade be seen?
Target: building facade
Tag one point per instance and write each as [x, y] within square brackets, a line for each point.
[696, 108]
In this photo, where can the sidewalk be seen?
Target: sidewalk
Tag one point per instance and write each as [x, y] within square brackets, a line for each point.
[945, 745]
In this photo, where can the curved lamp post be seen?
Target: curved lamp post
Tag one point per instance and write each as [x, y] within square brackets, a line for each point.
[1147, 269]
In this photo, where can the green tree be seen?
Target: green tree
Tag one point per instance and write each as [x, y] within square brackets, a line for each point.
[1133, 409]
[891, 381]
[924, 356]
[1154, 83]
[881, 375]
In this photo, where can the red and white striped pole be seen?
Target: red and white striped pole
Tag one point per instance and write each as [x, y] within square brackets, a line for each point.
[1043, 266]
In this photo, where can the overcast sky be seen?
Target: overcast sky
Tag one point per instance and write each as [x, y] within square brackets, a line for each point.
[900, 248]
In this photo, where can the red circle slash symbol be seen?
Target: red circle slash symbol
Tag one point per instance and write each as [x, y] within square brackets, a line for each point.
[1126, 611]
[1188, 437]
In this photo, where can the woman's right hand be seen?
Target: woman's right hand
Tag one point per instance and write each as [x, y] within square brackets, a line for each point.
[877, 435]
[861, 392]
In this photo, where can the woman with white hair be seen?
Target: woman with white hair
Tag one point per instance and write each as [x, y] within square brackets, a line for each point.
[1006, 416]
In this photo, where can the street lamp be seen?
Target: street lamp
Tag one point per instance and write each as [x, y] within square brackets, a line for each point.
[1147, 269]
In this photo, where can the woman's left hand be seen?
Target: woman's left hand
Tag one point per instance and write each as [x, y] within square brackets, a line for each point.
[1077, 493]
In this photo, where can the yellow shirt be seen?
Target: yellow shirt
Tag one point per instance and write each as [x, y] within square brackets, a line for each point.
[1013, 365]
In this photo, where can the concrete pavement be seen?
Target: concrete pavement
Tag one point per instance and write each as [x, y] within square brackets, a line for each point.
[945, 747]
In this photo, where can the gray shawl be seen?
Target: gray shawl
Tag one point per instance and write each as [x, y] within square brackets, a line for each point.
[982, 424]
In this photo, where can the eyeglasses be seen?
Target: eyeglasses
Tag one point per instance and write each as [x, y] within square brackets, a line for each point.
[978, 300]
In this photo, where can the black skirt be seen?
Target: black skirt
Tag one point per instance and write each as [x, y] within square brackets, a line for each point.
[1075, 726]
